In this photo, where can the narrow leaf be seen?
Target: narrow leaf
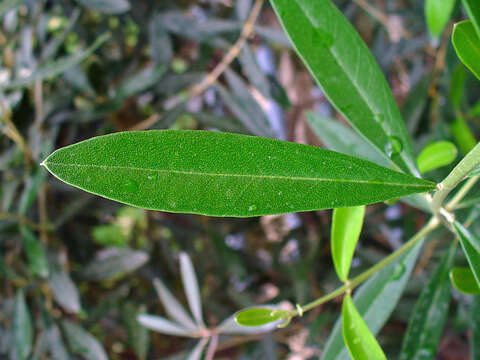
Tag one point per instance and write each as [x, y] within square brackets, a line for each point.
[470, 245]
[429, 314]
[64, 291]
[224, 174]
[112, 262]
[361, 343]
[467, 45]
[190, 285]
[473, 10]
[48, 72]
[37, 259]
[82, 342]
[138, 335]
[164, 326]
[457, 85]
[375, 301]
[438, 13]
[436, 155]
[22, 327]
[344, 67]
[230, 326]
[346, 227]
[107, 6]
[173, 308]
[259, 316]
[464, 280]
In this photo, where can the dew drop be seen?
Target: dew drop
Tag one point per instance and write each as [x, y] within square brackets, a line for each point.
[252, 208]
[394, 146]
[398, 271]
[380, 118]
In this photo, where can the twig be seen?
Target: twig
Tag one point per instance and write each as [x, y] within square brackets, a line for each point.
[4, 215]
[212, 77]
[380, 17]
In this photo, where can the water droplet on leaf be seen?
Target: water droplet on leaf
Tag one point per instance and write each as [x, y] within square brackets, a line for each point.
[252, 208]
[398, 271]
[394, 146]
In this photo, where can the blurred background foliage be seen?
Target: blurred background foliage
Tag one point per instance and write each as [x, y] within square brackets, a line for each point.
[76, 270]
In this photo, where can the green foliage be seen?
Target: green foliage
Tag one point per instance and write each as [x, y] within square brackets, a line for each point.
[346, 227]
[223, 174]
[360, 341]
[436, 155]
[471, 247]
[438, 14]
[349, 75]
[467, 45]
[464, 280]
[473, 10]
[259, 316]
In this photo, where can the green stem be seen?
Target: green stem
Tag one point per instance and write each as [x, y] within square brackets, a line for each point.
[350, 285]
[461, 193]
[465, 166]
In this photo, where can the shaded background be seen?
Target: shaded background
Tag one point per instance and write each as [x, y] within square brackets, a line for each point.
[85, 265]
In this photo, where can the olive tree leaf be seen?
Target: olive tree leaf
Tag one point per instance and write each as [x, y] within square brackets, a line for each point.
[224, 174]
[470, 245]
[473, 10]
[164, 326]
[436, 155]
[83, 343]
[466, 42]
[361, 343]
[22, 327]
[438, 13]
[429, 314]
[190, 285]
[258, 316]
[346, 227]
[346, 70]
[375, 300]
[463, 280]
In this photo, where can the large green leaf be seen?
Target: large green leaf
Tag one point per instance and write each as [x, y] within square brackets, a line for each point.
[346, 227]
[344, 67]
[438, 13]
[361, 343]
[470, 244]
[429, 314]
[224, 174]
[467, 45]
[473, 10]
[375, 301]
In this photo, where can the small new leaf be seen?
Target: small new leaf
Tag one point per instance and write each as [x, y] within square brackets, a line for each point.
[436, 155]
[464, 281]
[260, 316]
[438, 14]
[361, 344]
[346, 227]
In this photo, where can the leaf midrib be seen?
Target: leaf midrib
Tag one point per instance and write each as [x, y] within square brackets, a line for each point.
[279, 177]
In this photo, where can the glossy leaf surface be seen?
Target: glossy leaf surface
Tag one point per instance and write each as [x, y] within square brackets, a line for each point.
[467, 45]
[473, 10]
[429, 314]
[470, 245]
[436, 155]
[361, 343]
[375, 301]
[344, 67]
[464, 280]
[438, 14]
[224, 174]
[258, 316]
[346, 227]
